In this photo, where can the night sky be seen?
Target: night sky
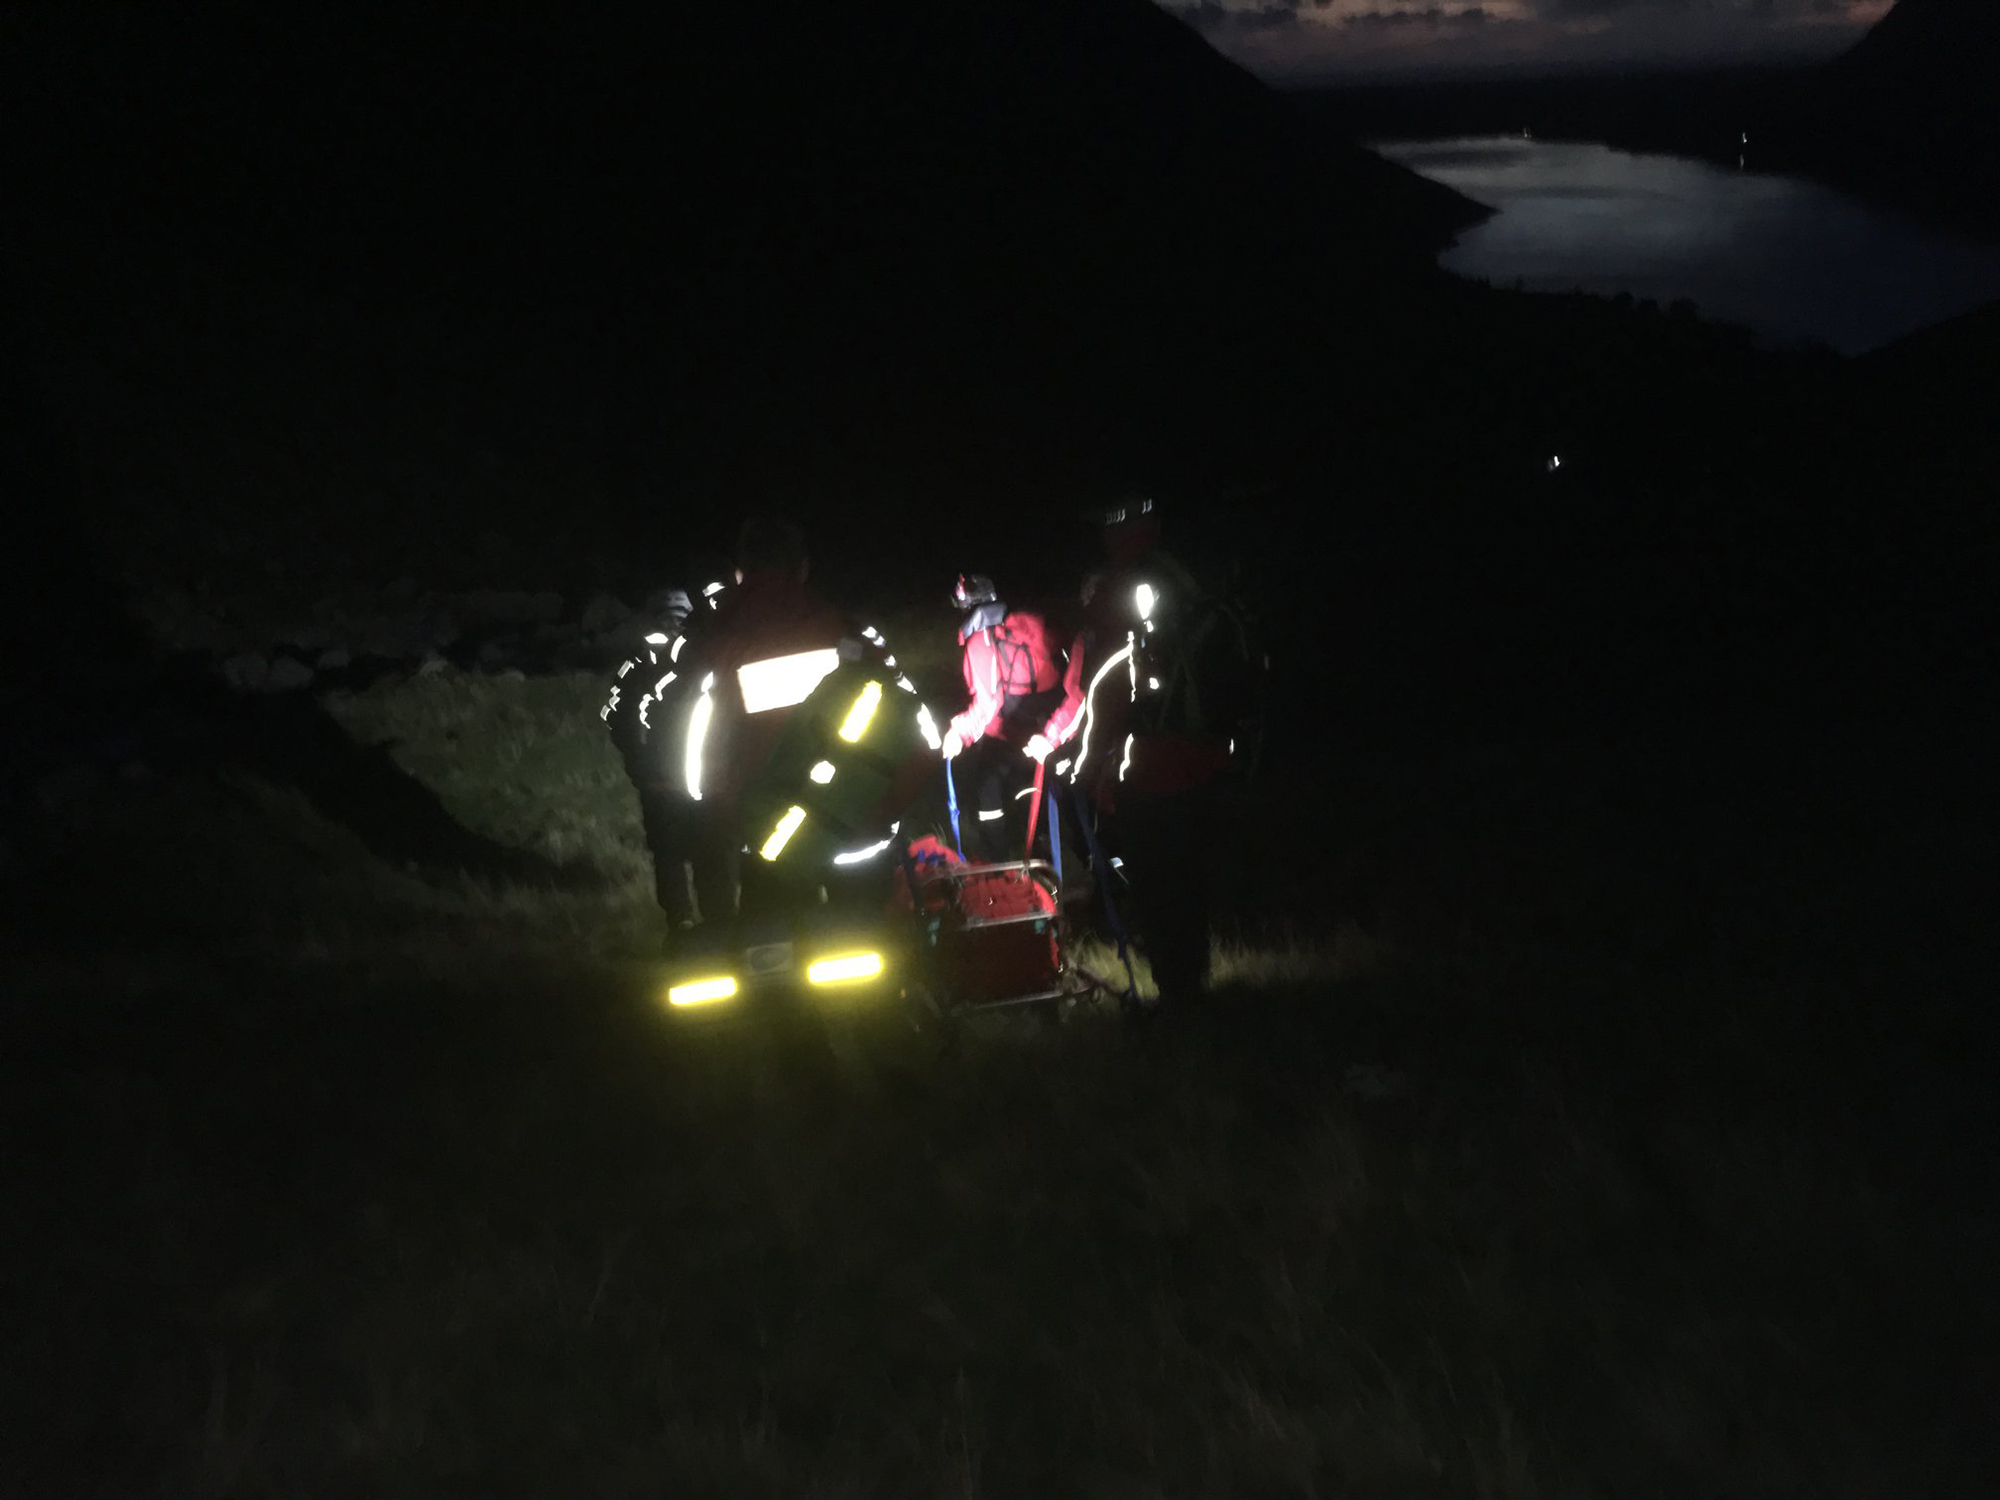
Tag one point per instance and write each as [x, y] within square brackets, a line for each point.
[1299, 41]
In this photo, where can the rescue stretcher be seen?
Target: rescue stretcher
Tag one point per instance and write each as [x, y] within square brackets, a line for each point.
[903, 920]
[949, 939]
[952, 939]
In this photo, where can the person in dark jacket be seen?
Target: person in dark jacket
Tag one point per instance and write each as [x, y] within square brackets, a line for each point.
[759, 664]
[641, 703]
[1171, 680]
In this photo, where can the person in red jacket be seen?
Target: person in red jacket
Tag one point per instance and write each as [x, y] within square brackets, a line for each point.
[1015, 681]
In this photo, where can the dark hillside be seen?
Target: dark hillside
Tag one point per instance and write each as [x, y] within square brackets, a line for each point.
[348, 293]
[1910, 109]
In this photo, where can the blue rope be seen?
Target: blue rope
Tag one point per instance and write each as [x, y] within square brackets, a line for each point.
[951, 800]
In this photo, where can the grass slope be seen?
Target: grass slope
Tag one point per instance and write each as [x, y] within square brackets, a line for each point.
[1554, 1149]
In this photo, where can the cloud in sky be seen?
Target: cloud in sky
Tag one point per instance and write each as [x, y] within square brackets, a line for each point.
[1294, 39]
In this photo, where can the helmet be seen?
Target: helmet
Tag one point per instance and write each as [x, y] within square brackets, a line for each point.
[973, 590]
[1131, 512]
[669, 606]
[1131, 529]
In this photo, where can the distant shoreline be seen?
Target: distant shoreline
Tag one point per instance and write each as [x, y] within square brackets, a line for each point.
[1696, 114]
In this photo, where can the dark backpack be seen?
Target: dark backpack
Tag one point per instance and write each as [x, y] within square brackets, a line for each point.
[1207, 652]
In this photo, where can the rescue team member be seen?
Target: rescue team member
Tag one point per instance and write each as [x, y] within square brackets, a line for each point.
[770, 645]
[1167, 676]
[663, 804]
[645, 713]
[1016, 685]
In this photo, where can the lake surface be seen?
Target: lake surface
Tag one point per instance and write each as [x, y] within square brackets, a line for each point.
[1794, 261]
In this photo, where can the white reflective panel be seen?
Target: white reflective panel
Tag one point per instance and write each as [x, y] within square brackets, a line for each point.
[1090, 702]
[674, 653]
[781, 681]
[1125, 764]
[1144, 598]
[704, 710]
[822, 773]
[993, 816]
[662, 685]
[1062, 768]
[927, 727]
[1153, 684]
[862, 856]
[710, 590]
[656, 638]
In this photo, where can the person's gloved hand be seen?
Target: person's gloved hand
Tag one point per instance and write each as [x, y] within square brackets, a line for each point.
[954, 744]
[1038, 747]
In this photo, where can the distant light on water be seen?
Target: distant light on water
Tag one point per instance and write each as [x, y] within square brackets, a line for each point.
[1793, 261]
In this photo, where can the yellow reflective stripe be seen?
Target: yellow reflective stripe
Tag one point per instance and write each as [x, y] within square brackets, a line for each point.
[859, 715]
[782, 834]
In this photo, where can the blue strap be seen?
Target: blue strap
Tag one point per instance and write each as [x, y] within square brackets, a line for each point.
[1055, 835]
[951, 800]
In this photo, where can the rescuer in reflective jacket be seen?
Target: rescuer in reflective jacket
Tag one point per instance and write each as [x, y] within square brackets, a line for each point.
[627, 715]
[774, 682]
[1015, 680]
[1171, 684]
[638, 713]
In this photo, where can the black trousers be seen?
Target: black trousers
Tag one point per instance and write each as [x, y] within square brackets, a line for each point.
[1169, 848]
[991, 776]
[669, 823]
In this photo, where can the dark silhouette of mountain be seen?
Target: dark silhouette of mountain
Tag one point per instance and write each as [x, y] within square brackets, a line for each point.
[1910, 109]
[1951, 47]
[637, 252]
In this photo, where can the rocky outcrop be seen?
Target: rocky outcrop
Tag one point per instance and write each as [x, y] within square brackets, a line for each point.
[355, 639]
